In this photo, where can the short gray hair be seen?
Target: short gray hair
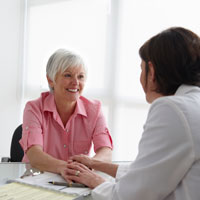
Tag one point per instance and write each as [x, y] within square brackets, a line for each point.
[60, 60]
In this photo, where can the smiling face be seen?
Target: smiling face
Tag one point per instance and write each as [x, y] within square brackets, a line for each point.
[68, 85]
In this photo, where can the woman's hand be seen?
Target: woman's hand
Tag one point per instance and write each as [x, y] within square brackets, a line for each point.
[62, 171]
[78, 172]
[92, 163]
[85, 160]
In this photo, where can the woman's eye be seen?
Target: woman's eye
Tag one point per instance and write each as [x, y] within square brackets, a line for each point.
[67, 75]
[81, 76]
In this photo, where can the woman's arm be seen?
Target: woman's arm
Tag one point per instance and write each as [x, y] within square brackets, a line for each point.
[101, 138]
[104, 154]
[44, 162]
[106, 167]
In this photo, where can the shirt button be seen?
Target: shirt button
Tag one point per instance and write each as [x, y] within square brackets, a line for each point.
[67, 130]
[65, 145]
[26, 128]
[86, 152]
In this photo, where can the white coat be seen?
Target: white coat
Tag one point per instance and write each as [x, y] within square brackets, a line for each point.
[168, 163]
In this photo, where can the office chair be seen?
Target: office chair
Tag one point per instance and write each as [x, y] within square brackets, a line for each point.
[16, 151]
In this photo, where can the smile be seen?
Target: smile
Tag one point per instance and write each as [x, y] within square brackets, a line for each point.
[73, 90]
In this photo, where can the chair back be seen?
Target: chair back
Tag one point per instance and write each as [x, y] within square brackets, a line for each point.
[16, 151]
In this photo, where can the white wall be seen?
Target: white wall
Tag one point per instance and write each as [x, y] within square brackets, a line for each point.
[11, 14]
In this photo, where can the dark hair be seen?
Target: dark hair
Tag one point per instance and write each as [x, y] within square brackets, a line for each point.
[175, 55]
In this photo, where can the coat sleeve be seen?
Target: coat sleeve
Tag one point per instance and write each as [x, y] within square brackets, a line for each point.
[166, 153]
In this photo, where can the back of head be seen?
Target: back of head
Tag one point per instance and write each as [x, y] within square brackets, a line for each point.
[175, 55]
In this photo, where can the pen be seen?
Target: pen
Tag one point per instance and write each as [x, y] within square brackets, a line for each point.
[67, 184]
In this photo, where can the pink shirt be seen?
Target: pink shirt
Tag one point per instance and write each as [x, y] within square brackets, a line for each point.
[42, 126]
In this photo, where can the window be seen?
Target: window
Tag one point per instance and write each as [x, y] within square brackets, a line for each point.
[107, 34]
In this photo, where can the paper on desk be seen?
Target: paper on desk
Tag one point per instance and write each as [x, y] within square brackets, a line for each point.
[17, 191]
[42, 180]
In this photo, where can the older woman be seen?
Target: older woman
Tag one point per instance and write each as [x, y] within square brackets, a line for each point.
[62, 123]
[168, 163]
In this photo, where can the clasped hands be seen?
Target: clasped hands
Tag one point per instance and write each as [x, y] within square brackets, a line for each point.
[79, 169]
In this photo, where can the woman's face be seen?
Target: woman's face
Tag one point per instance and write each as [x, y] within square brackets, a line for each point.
[69, 85]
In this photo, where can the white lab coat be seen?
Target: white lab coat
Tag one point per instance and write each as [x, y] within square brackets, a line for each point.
[167, 166]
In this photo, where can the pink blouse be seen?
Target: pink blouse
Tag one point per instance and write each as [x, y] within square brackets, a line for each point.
[42, 126]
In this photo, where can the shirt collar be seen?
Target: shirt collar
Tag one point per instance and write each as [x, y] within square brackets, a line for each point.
[80, 108]
[183, 89]
[49, 105]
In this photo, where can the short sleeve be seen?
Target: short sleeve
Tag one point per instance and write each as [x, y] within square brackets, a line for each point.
[32, 131]
[101, 135]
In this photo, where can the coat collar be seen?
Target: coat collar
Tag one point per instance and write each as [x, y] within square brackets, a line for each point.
[183, 89]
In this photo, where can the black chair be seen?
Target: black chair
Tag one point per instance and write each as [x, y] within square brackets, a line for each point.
[16, 151]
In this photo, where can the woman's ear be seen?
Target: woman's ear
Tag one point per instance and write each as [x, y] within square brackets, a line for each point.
[151, 72]
[50, 82]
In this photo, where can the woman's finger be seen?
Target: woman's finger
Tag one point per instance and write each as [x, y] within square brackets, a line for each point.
[77, 166]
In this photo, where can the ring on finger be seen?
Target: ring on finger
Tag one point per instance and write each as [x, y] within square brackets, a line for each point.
[77, 173]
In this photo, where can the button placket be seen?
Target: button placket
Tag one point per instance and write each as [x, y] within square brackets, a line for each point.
[65, 146]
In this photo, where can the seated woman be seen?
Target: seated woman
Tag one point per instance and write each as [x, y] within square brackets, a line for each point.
[62, 123]
[168, 163]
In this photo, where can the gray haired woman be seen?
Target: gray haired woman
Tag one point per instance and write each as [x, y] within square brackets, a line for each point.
[62, 123]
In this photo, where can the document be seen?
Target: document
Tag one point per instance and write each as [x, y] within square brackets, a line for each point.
[18, 191]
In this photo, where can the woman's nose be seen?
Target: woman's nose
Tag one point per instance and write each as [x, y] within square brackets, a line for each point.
[75, 81]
